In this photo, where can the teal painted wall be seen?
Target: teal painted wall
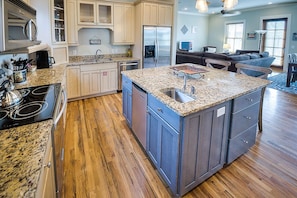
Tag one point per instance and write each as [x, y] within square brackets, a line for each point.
[253, 20]
[211, 29]
[199, 38]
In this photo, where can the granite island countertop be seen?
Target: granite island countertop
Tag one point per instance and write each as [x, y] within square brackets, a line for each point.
[22, 148]
[216, 87]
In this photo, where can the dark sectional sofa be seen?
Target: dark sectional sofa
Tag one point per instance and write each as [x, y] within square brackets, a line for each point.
[250, 57]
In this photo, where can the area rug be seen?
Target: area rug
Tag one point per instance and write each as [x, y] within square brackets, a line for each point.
[279, 83]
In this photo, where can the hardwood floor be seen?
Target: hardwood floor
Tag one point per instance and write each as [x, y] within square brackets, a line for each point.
[103, 159]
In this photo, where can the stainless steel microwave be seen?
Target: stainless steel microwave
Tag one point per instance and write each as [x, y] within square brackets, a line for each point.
[17, 26]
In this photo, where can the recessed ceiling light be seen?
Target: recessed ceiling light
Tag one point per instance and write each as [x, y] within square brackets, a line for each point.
[269, 3]
[185, 8]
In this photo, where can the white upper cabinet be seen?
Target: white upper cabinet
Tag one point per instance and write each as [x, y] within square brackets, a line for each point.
[157, 14]
[51, 25]
[92, 13]
[72, 31]
[59, 21]
[123, 32]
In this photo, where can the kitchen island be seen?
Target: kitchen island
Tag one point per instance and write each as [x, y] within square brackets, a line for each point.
[190, 141]
[23, 149]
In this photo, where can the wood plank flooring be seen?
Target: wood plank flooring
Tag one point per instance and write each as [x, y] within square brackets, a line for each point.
[103, 159]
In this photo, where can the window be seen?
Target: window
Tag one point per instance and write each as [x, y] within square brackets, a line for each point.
[275, 39]
[234, 35]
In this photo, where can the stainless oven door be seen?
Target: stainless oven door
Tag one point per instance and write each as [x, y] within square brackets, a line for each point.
[58, 143]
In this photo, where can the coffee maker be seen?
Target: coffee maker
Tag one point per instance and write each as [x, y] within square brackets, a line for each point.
[43, 60]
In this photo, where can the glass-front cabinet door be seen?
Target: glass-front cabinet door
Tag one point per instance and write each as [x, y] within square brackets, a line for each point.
[86, 13]
[95, 13]
[105, 13]
[59, 21]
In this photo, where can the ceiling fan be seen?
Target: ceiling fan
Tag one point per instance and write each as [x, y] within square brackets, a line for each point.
[226, 13]
[202, 6]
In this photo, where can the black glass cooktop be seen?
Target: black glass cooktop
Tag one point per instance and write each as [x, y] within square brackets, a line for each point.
[37, 104]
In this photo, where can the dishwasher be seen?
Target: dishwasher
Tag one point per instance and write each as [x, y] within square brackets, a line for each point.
[125, 66]
[139, 104]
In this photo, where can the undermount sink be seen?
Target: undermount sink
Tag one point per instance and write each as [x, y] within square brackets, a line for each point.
[177, 95]
[102, 60]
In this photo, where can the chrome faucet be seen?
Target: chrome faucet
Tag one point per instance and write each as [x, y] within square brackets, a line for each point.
[185, 82]
[193, 90]
[96, 55]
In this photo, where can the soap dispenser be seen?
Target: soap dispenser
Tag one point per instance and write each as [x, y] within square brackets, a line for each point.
[129, 52]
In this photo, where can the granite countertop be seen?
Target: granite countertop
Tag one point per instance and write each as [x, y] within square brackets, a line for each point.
[86, 60]
[22, 152]
[217, 86]
[55, 74]
[22, 148]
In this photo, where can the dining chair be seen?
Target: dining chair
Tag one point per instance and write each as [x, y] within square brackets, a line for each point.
[292, 69]
[258, 72]
[219, 64]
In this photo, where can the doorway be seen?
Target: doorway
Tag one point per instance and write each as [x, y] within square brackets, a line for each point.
[275, 39]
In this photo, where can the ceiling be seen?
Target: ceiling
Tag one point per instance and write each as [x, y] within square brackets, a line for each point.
[215, 6]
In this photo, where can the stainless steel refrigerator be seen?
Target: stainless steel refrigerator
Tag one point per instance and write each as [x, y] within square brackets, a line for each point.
[156, 46]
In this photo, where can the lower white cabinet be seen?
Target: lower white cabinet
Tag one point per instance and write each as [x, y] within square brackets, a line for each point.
[90, 82]
[91, 79]
[73, 81]
[108, 80]
[46, 186]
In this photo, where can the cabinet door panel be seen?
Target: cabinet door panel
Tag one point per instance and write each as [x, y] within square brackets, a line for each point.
[127, 105]
[90, 83]
[153, 139]
[86, 13]
[150, 14]
[169, 154]
[108, 80]
[72, 31]
[129, 22]
[208, 131]
[73, 81]
[163, 148]
[165, 15]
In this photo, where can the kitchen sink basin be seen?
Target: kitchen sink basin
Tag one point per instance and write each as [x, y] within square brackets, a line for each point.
[100, 60]
[177, 95]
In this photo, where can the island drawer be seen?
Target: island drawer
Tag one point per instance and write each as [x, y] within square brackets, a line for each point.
[246, 100]
[241, 143]
[244, 119]
[164, 112]
[126, 82]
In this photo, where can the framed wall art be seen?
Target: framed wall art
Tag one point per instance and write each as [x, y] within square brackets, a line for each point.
[251, 35]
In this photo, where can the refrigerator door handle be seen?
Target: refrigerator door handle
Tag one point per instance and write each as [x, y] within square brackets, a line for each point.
[156, 52]
[157, 46]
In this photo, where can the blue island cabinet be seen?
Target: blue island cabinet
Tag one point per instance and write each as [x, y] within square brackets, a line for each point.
[127, 99]
[186, 150]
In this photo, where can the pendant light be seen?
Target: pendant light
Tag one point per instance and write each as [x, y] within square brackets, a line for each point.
[229, 4]
[201, 5]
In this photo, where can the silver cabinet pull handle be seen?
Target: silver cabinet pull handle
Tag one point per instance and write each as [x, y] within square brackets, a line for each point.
[48, 165]
[248, 117]
[245, 141]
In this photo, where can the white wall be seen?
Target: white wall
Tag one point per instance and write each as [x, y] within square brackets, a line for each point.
[199, 39]
[84, 48]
